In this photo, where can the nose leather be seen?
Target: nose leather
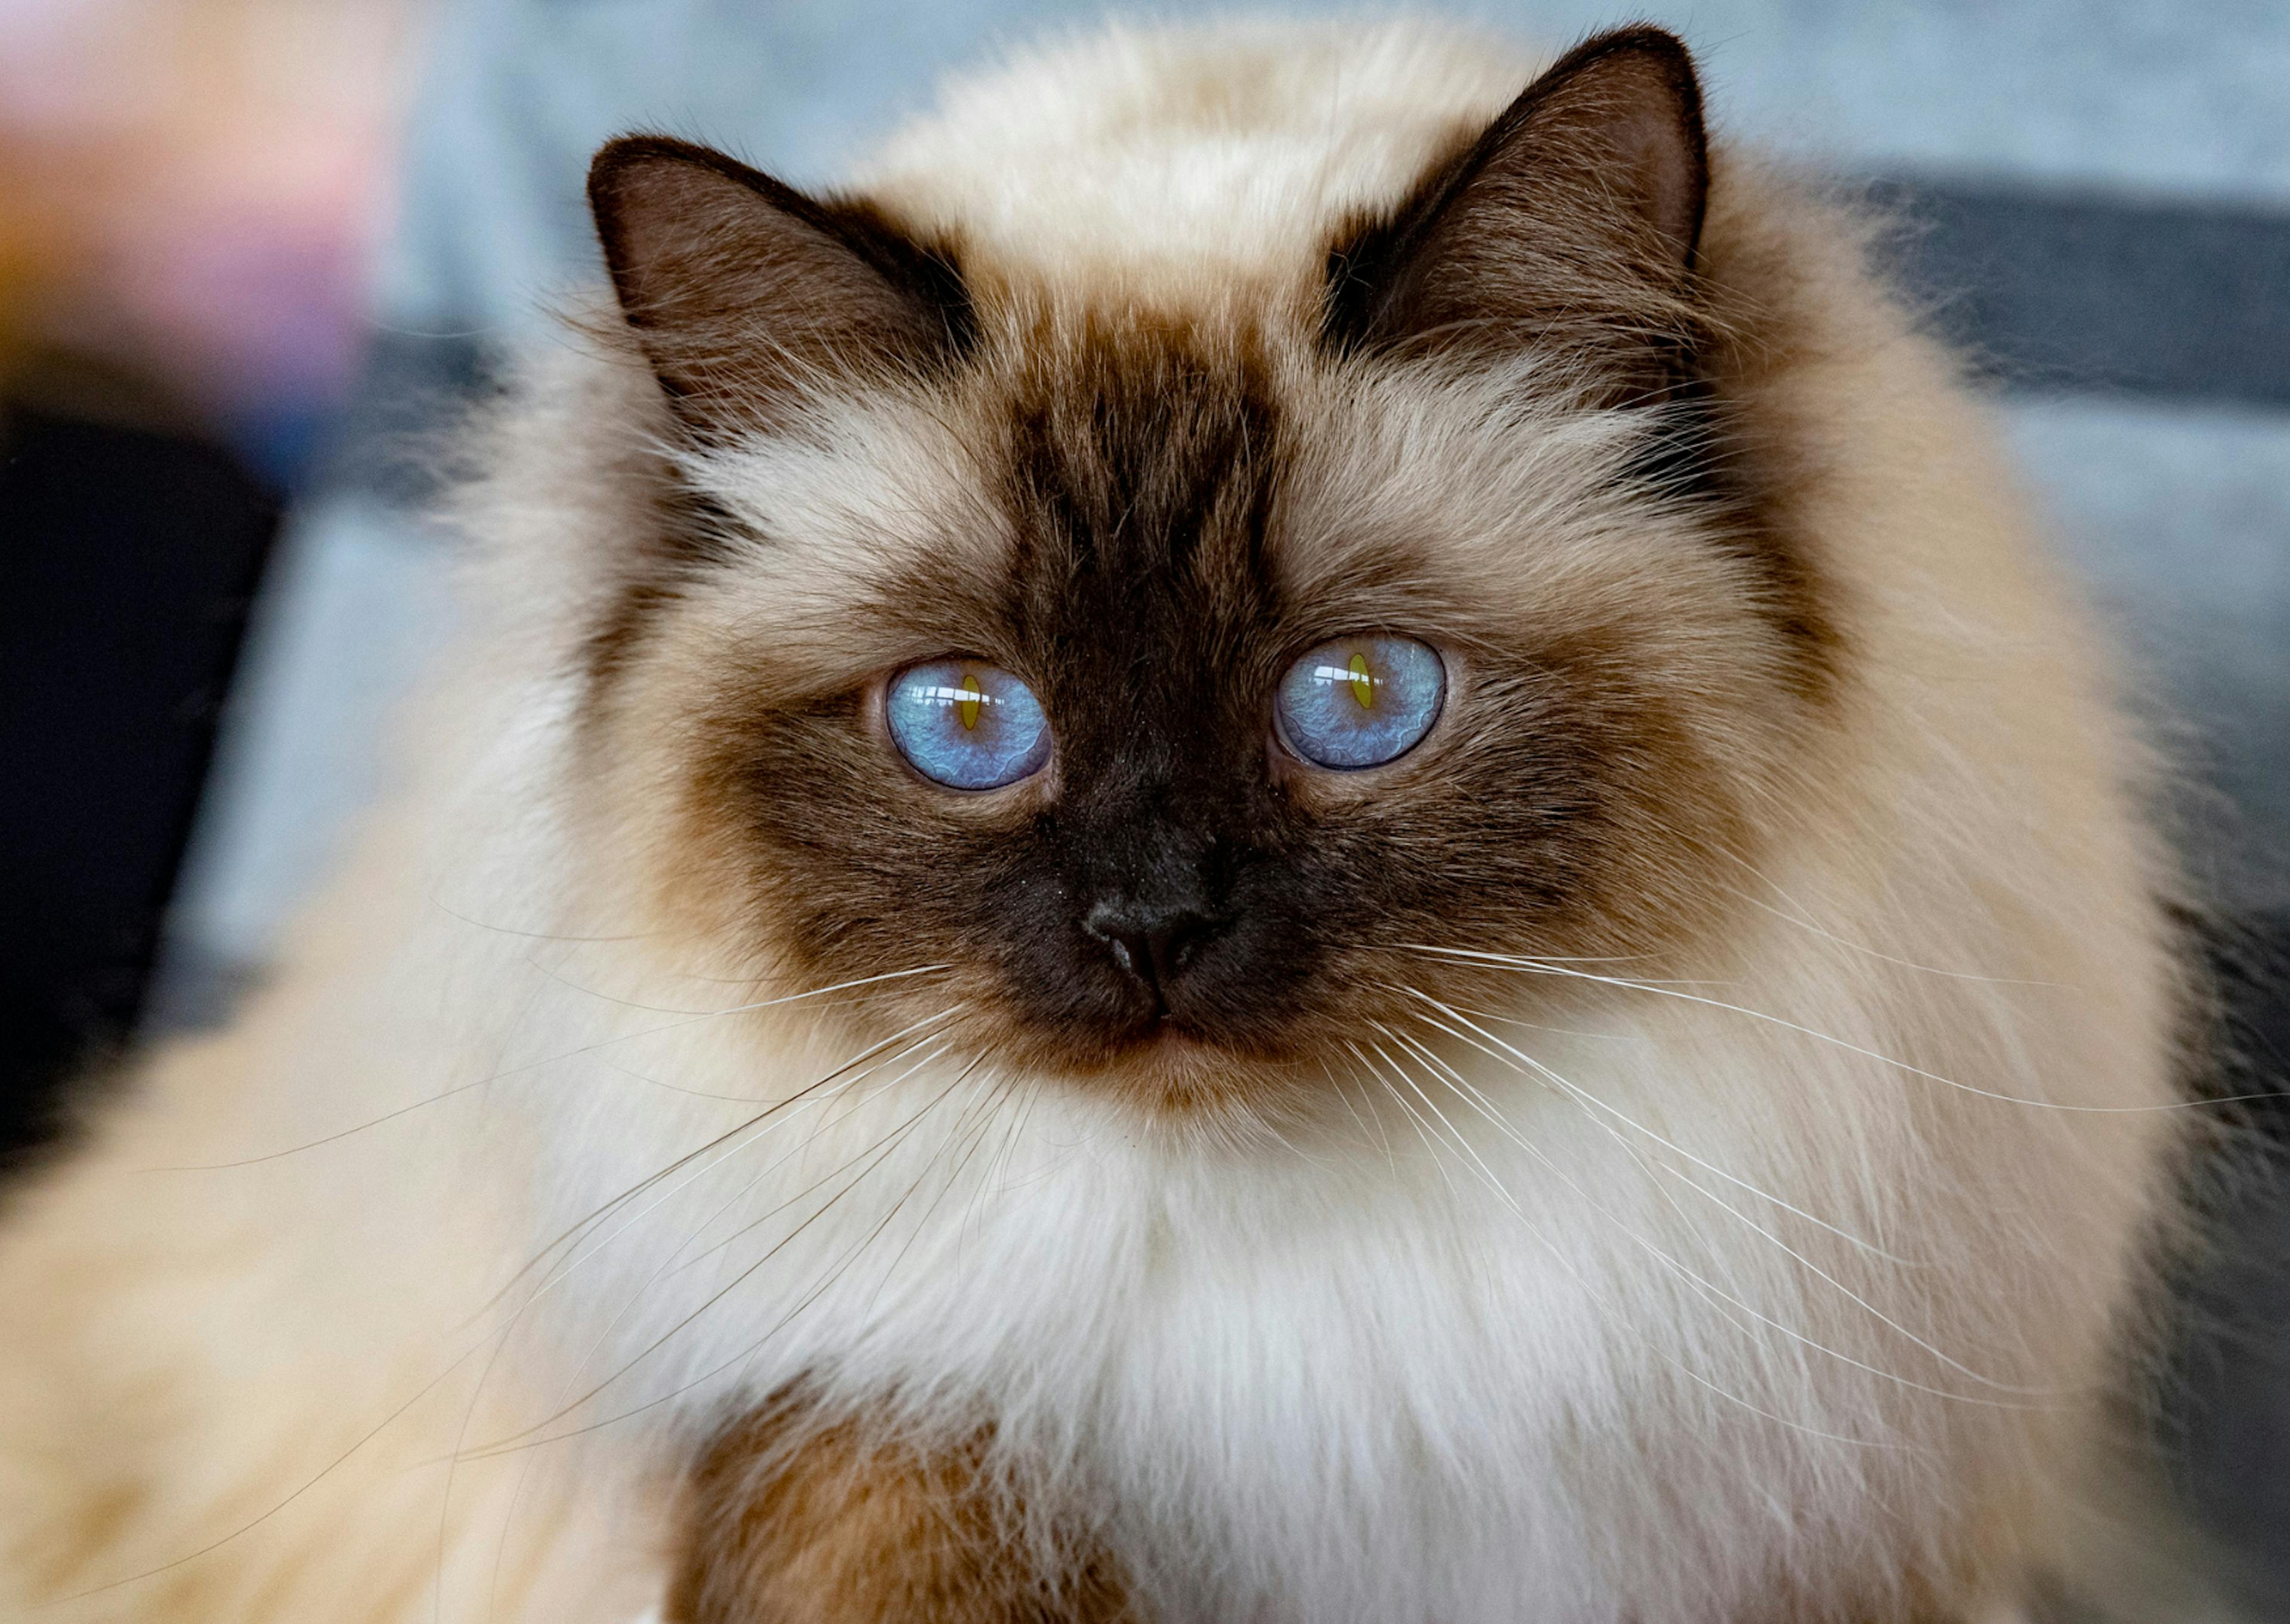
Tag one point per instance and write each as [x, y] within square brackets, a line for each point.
[1153, 942]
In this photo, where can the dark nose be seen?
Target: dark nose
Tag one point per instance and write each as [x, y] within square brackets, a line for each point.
[1153, 942]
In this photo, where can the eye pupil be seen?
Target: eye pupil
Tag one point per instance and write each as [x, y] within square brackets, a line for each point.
[1360, 701]
[967, 706]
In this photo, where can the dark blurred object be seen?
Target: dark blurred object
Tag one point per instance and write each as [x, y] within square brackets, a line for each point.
[2225, 1418]
[131, 554]
[192, 192]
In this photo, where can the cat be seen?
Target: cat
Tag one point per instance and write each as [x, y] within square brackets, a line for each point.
[1299, 833]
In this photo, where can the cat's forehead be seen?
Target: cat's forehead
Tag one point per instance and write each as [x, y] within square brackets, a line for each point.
[1098, 469]
[1216, 163]
[1127, 455]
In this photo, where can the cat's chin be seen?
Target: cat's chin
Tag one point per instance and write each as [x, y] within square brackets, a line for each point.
[1169, 1070]
[1168, 1046]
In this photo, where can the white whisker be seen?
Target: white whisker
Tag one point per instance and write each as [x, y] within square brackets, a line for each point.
[1511, 1055]
[572, 1235]
[1461, 1143]
[932, 1058]
[1569, 1265]
[879, 1151]
[1581, 1100]
[503, 1075]
[1669, 1261]
[736, 1009]
[1421, 1128]
[1539, 967]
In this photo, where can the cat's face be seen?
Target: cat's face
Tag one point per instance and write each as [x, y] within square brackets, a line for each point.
[1188, 701]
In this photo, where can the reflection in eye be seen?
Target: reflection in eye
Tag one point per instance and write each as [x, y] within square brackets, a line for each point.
[967, 698]
[1361, 702]
[966, 725]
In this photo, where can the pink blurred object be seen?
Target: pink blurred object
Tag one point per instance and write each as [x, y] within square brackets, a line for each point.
[193, 188]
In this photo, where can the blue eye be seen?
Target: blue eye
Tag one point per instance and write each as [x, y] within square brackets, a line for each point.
[966, 725]
[1361, 702]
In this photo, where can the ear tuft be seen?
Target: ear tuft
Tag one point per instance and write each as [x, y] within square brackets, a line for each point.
[1571, 221]
[749, 298]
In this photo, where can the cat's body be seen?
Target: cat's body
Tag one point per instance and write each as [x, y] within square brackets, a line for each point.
[1783, 1282]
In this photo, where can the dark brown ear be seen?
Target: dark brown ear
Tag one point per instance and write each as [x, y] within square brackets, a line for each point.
[1572, 220]
[747, 295]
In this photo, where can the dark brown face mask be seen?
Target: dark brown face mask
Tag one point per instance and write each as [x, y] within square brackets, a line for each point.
[1172, 871]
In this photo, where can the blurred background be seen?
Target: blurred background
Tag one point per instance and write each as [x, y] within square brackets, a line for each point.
[249, 249]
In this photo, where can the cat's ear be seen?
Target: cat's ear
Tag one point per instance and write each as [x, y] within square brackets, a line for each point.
[1573, 220]
[748, 298]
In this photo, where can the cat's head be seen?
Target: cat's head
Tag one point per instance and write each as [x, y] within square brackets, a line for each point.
[1189, 689]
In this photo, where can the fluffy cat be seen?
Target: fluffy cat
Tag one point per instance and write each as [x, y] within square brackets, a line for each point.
[1287, 838]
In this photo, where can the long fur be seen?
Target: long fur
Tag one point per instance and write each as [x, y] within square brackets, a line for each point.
[1786, 1285]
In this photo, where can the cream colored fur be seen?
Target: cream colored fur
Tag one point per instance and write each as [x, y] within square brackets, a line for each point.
[1731, 1307]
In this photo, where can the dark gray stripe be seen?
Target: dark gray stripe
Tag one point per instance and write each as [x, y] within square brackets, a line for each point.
[2061, 294]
